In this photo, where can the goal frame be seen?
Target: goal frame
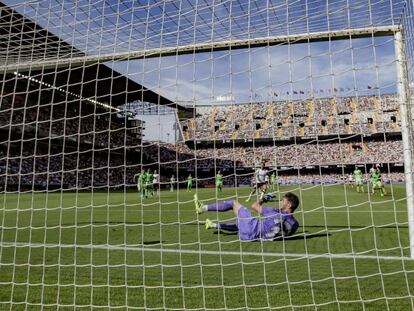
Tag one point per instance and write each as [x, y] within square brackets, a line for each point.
[402, 80]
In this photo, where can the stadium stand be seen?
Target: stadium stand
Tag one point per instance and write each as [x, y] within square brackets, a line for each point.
[337, 133]
[40, 112]
[57, 127]
[283, 120]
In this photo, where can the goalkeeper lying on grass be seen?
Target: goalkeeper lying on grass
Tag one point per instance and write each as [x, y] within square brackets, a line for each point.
[273, 223]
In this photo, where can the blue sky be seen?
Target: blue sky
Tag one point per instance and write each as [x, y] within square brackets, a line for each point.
[251, 74]
[259, 73]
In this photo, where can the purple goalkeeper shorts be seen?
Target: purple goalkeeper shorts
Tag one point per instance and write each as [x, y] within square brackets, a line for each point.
[248, 225]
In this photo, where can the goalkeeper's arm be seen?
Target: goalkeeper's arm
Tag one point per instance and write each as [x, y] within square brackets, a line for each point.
[257, 206]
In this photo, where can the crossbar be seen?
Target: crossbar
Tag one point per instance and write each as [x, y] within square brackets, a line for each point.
[201, 48]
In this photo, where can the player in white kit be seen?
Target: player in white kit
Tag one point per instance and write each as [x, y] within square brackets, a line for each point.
[261, 182]
[156, 182]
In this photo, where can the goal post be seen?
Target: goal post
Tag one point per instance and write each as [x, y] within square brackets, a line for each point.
[405, 101]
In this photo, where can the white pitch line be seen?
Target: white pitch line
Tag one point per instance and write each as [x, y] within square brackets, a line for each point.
[147, 209]
[204, 252]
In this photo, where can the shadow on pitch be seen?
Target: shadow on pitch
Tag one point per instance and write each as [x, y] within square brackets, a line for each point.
[300, 236]
[304, 236]
[152, 242]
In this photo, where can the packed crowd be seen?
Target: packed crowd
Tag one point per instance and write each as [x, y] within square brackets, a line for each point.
[181, 155]
[330, 116]
[284, 179]
[81, 168]
[49, 167]
[66, 120]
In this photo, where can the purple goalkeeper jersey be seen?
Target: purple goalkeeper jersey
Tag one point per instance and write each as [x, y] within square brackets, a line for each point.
[274, 223]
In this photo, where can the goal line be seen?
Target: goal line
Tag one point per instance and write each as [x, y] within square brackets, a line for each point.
[205, 252]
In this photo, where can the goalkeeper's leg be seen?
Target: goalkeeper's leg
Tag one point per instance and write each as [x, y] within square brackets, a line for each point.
[222, 206]
[216, 225]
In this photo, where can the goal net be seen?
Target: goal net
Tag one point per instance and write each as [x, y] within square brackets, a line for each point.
[151, 155]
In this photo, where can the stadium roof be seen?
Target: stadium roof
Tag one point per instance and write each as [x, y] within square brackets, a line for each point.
[21, 40]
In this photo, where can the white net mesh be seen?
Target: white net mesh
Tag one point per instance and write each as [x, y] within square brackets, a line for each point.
[115, 113]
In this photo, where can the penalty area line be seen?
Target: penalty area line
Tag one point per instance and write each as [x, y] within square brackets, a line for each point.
[203, 252]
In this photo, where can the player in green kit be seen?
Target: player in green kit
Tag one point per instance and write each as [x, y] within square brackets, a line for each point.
[273, 180]
[376, 181]
[144, 183]
[219, 181]
[150, 183]
[189, 183]
[138, 179]
[358, 179]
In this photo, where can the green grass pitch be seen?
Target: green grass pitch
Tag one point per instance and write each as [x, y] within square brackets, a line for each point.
[104, 251]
